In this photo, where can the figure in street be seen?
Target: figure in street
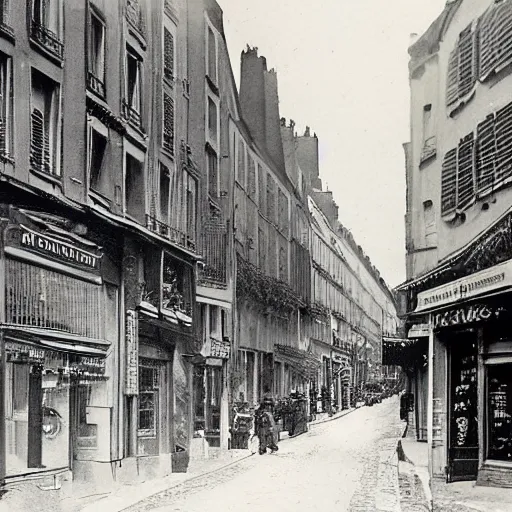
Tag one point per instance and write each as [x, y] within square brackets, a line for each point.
[265, 427]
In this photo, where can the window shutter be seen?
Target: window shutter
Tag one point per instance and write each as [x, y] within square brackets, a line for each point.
[37, 142]
[241, 163]
[504, 143]
[465, 178]
[252, 179]
[168, 55]
[452, 85]
[449, 183]
[502, 31]
[467, 61]
[261, 188]
[271, 207]
[485, 154]
[487, 43]
[168, 138]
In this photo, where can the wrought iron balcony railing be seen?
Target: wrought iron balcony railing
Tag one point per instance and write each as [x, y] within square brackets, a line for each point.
[95, 84]
[214, 250]
[48, 39]
[172, 234]
[132, 115]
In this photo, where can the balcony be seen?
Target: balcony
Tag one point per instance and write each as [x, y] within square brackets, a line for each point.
[214, 250]
[96, 85]
[132, 115]
[47, 39]
[169, 233]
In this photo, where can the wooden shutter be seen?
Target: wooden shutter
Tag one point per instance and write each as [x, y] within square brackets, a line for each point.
[241, 163]
[252, 179]
[449, 183]
[467, 61]
[168, 138]
[261, 188]
[37, 141]
[452, 85]
[487, 44]
[502, 20]
[168, 55]
[485, 154]
[465, 172]
[504, 143]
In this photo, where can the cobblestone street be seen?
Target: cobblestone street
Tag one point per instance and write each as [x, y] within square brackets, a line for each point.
[340, 465]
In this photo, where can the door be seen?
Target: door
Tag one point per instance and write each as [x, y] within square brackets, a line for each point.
[463, 409]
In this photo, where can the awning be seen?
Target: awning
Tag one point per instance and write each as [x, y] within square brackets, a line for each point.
[403, 352]
[55, 340]
[304, 362]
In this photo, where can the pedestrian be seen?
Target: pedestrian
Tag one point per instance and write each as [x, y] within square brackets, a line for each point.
[265, 427]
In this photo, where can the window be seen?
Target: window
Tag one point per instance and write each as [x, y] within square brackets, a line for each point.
[271, 200]
[6, 107]
[262, 250]
[46, 27]
[261, 189]
[96, 60]
[44, 138]
[97, 149]
[251, 179]
[429, 217]
[5, 12]
[191, 209]
[168, 55]
[214, 321]
[242, 158]
[283, 263]
[134, 188]
[168, 135]
[212, 122]
[149, 377]
[212, 55]
[282, 212]
[133, 89]
[165, 185]
[429, 138]
[213, 174]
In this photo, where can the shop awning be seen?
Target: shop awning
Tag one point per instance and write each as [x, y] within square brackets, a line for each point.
[403, 352]
[55, 340]
[304, 362]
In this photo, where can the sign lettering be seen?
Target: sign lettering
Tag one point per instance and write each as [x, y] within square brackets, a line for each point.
[132, 355]
[471, 314]
[481, 282]
[219, 348]
[58, 249]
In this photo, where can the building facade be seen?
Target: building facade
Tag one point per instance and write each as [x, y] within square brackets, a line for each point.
[457, 226]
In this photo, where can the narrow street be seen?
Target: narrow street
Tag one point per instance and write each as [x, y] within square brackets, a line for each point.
[335, 466]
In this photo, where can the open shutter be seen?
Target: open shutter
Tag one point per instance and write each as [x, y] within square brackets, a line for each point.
[485, 155]
[465, 178]
[168, 55]
[37, 142]
[503, 143]
[467, 61]
[452, 85]
[168, 140]
[449, 184]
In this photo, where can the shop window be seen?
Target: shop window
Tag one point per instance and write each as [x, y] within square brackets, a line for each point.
[499, 392]
[46, 26]
[177, 288]
[134, 188]
[249, 376]
[132, 104]
[168, 55]
[87, 433]
[199, 401]
[6, 106]
[97, 150]
[44, 137]
[96, 57]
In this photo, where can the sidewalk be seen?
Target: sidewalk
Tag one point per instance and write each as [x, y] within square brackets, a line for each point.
[418, 494]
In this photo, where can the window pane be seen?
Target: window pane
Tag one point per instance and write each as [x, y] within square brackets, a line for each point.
[500, 411]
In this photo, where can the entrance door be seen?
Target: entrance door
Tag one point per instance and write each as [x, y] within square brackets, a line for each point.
[463, 411]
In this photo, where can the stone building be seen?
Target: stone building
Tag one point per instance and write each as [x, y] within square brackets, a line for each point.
[455, 301]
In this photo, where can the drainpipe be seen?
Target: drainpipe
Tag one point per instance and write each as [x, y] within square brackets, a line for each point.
[430, 400]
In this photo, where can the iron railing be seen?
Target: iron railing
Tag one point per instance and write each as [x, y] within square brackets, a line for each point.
[95, 84]
[48, 39]
[214, 250]
[132, 115]
[172, 234]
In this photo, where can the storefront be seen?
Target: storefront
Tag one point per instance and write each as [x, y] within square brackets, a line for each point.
[58, 332]
[471, 357]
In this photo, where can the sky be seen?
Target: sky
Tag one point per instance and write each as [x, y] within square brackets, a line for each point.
[342, 70]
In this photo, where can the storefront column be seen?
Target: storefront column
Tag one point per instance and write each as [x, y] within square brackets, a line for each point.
[430, 400]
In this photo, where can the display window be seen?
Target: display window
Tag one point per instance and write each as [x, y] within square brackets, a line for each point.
[499, 417]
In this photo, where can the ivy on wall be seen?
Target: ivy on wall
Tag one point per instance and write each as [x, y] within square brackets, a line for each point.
[267, 291]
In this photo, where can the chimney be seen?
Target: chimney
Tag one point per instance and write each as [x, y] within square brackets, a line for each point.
[326, 203]
[259, 101]
[307, 156]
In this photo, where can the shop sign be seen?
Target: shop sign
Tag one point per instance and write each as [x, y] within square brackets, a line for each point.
[91, 365]
[419, 331]
[51, 247]
[467, 315]
[132, 355]
[219, 348]
[477, 284]
[19, 353]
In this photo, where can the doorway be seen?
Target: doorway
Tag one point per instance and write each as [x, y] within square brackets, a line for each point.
[463, 408]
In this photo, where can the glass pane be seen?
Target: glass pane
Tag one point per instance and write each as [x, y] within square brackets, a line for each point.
[500, 412]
